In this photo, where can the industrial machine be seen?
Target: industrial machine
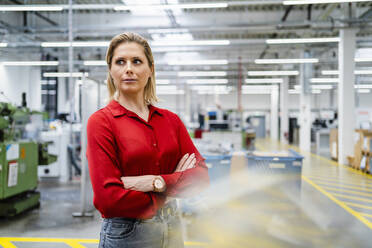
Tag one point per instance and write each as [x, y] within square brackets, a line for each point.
[20, 156]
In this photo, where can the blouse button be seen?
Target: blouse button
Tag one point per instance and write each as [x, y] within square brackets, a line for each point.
[154, 144]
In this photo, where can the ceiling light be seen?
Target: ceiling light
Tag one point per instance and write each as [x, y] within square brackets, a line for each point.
[31, 8]
[329, 72]
[324, 80]
[273, 73]
[321, 87]
[207, 81]
[76, 44]
[363, 86]
[167, 30]
[264, 80]
[285, 61]
[166, 87]
[172, 6]
[302, 40]
[357, 72]
[295, 91]
[199, 62]
[65, 74]
[202, 74]
[363, 59]
[363, 90]
[95, 62]
[2, 44]
[162, 81]
[30, 63]
[190, 42]
[316, 91]
[302, 2]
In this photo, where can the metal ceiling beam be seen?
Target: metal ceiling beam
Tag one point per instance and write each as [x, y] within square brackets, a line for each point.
[37, 14]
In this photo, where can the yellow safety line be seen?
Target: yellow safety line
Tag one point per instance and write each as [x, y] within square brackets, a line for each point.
[367, 185]
[332, 162]
[343, 186]
[351, 177]
[74, 243]
[352, 197]
[341, 204]
[7, 244]
[347, 191]
[358, 205]
[366, 215]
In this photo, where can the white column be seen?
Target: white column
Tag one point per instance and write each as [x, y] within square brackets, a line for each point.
[187, 103]
[305, 105]
[346, 99]
[274, 113]
[284, 111]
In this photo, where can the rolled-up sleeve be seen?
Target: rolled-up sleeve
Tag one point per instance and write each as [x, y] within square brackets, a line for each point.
[110, 197]
[191, 181]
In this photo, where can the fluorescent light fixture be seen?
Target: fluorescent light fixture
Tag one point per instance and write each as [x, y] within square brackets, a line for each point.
[324, 80]
[357, 72]
[162, 81]
[363, 90]
[302, 2]
[3, 44]
[176, 92]
[31, 8]
[190, 42]
[363, 59]
[264, 80]
[166, 87]
[295, 91]
[256, 92]
[273, 73]
[286, 61]
[30, 63]
[202, 74]
[95, 62]
[302, 40]
[329, 72]
[199, 62]
[65, 74]
[207, 81]
[363, 86]
[172, 6]
[316, 91]
[76, 44]
[167, 30]
[321, 87]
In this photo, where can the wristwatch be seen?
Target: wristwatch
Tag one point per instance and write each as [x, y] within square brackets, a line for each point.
[158, 184]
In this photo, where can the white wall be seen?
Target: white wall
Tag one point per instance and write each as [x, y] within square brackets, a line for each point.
[15, 80]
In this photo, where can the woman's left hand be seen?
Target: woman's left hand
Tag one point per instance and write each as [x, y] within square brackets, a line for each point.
[139, 183]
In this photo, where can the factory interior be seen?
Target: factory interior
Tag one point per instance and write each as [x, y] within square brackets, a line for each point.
[275, 95]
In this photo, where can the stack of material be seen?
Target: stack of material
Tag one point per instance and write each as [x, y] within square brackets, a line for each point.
[333, 143]
[362, 151]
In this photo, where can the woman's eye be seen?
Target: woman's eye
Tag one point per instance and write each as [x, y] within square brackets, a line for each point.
[137, 61]
[120, 62]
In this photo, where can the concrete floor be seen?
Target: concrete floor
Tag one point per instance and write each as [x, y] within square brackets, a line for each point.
[331, 207]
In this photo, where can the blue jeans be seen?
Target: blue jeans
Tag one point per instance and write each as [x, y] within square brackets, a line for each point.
[162, 231]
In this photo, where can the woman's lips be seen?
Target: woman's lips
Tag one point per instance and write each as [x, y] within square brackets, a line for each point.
[129, 80]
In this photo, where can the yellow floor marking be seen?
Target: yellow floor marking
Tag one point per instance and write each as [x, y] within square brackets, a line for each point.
[332, 162]
[343, 186]
[366, 215]
[340, 181]
[351, 177]
[347, 191]
[341, 204]
[352, 197]
[74, 243]
[7, 244]
[358, 205]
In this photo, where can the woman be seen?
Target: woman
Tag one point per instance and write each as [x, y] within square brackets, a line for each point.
[140, 156]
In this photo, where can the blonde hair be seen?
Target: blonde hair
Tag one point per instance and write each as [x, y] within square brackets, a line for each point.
[127, 37]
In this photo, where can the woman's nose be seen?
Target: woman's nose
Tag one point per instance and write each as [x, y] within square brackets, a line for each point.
[128, 68]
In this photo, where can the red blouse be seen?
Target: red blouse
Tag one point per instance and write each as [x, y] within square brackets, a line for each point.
[120, 143]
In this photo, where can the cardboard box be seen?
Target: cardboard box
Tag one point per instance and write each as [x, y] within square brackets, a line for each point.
[333, 143]
[357, 154]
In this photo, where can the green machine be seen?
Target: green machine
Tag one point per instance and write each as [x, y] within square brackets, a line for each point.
[19, 159]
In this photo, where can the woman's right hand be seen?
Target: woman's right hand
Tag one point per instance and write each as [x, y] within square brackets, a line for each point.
[186, 162]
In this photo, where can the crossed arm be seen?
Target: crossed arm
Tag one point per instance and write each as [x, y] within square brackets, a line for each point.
[145, 183]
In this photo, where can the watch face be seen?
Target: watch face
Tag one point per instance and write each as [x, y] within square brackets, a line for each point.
[158, 184]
